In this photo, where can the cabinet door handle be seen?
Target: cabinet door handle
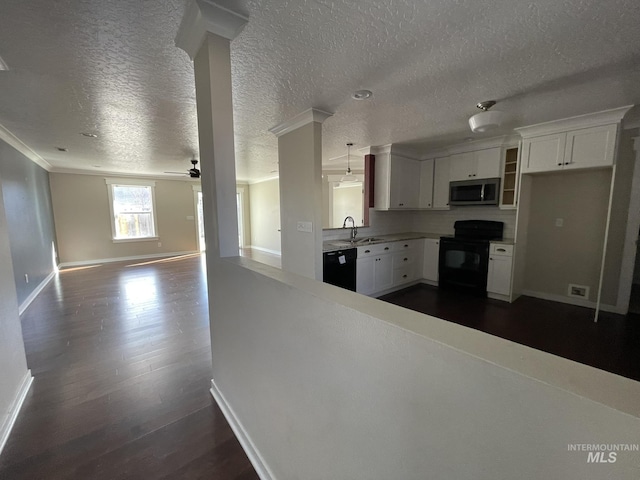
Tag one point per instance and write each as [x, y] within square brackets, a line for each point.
[367, 251]
[490, 258]
[560, 164]
[386, 248]
[428, 204]
[567, 163]
[501, 249]
[406, 259]
[404, 276]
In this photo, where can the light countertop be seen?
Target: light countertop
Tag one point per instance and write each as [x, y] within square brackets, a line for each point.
[342, 244]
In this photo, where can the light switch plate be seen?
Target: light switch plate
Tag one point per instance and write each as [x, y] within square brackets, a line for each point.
[305, 227]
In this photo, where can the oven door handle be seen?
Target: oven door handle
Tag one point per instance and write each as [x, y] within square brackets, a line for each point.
[482, 193]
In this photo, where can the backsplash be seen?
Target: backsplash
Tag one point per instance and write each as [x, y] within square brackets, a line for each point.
[382, 223]
[441, 221]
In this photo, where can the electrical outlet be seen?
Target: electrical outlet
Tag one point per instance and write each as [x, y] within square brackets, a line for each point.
[305, 227]
[578, 291]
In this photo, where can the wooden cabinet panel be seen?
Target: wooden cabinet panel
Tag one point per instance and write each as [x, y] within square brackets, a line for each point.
[476, 165]
[441, 183]
[461, 167]
[499, 279]
[431, 258]
[365, 275]
[397, 184]
[543, 154]
[383, 273]
[488, 163]
[426, 183]
[590, 147]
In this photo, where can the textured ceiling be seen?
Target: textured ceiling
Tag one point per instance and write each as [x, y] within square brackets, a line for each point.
[112, 68]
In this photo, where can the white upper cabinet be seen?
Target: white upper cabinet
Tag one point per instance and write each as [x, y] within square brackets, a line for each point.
[590, 147]
[586, 141]
[441, 183]
[461, 167]
[584, 148]
[426, 184]
[476, 165]
[543, 154]
[397, 182]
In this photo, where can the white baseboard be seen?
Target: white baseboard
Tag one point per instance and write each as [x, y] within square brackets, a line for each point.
[32, 296]
[14, 410]
[573, 301]
[241, 434]
[266, 250]
[125, 259]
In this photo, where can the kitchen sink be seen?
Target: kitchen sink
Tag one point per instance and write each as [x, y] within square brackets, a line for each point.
[369, 240]
[341, 243]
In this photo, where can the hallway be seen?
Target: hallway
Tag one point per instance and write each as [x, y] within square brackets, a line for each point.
[121, 359]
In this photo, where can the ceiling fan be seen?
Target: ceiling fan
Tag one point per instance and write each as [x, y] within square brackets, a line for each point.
[193, 172]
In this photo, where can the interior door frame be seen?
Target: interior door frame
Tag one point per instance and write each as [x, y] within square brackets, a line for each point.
[200, 243]
[631, 236]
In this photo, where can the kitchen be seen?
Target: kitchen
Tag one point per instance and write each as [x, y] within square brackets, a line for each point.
[553, 238]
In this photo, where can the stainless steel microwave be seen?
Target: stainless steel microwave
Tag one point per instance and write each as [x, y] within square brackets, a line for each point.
[475, 192]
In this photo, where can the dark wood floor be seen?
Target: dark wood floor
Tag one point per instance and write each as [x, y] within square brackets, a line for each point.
[122, 364]
[612, 344]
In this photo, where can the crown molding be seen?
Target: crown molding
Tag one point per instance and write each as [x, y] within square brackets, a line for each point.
[376, 149]
[23, 148]
[111, 174]
[605, 117]
[202, 16]
[308, 116]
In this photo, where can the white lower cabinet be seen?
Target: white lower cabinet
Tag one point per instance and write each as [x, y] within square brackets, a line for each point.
[384, 266]
[374, 270]
[365, 275]
[500, 267]
[431, 259]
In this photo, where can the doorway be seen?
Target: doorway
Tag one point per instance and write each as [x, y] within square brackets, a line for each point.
[240, 209]
[200, 221]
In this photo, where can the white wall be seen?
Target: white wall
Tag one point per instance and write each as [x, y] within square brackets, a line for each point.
[83, 220]
[327, 383]
[15, 375]
[264, 206]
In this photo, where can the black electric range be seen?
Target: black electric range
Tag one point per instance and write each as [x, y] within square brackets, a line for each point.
[464, 258]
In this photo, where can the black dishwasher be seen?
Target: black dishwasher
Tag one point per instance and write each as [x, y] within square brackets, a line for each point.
[339, 268]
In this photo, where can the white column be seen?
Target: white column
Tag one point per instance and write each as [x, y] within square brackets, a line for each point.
[205, 34]
[300, 157]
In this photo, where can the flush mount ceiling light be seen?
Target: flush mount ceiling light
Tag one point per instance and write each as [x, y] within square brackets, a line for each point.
[486, 120]
[349, 177]
[362, 95]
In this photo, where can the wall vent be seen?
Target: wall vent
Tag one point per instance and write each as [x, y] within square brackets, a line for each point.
[578, 291]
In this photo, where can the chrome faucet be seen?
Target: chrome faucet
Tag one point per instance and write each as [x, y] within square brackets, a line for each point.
[354, 229]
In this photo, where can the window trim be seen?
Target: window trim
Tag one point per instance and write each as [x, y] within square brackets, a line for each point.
[132, 182]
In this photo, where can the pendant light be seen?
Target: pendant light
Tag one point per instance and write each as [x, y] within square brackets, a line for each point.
[348, 176]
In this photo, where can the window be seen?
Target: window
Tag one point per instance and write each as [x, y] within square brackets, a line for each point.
[132, 210]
